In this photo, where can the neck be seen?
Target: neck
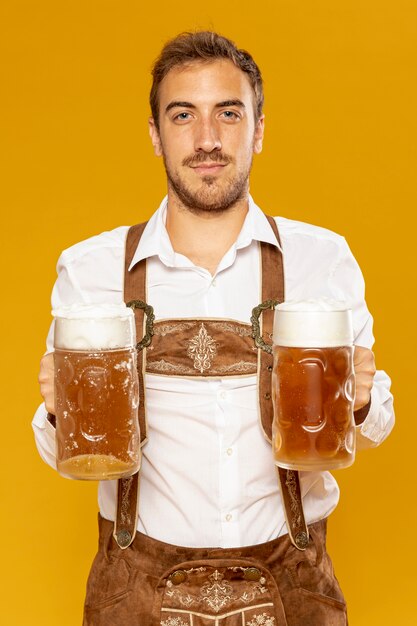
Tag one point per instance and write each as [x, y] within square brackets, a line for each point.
[203, 236]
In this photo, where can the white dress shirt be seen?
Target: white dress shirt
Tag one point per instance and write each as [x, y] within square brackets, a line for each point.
[207, 476]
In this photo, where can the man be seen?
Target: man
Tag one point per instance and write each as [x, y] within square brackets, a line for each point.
[213, 544]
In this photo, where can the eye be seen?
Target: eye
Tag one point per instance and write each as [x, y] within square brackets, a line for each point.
[230, 115]
[181, 117]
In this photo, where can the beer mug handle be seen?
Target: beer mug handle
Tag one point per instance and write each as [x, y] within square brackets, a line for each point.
[256, 326]
[150, 318]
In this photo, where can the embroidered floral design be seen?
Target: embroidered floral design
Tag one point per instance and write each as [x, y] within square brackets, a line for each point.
[240, 328]
[248, 596]
[126, 486]
[202, 349]
[185, 599]
[262, 620]
[256, 589]
[201, 341]
[174, 621]
[164, 367]
[195, 569]
[242, 367]
[217, 593]
[166, 328]
[292, 489]
[243, 330]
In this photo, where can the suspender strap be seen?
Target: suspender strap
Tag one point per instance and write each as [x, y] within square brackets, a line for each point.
[272, 277]
[127, 510]
[273, 289]
[128, 488]
[134, 288]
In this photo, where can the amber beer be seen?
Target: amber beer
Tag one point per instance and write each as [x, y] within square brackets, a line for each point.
[96, 390]
[313, 386]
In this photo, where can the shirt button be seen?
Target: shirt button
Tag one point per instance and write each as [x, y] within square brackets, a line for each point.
[213, 283]
[229, 451]
[222, 395]
[228, 517]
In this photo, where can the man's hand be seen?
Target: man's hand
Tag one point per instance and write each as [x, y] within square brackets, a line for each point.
[364, 366]
[46, 382]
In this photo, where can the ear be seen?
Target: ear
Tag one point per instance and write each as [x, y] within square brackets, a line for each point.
[155, 138]
[259, 135]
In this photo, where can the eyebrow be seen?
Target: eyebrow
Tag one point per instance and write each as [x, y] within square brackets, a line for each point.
[176, 103]
[231, 103]
[189, 105]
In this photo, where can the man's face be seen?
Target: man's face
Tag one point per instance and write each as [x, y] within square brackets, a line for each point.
[207, 134]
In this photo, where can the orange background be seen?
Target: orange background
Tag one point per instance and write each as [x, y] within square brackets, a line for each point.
[340, 151]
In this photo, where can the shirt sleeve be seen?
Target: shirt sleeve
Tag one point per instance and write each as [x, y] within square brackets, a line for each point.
[349, 285]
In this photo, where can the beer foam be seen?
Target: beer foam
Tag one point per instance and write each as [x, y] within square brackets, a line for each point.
[312, 323]
[94, 327]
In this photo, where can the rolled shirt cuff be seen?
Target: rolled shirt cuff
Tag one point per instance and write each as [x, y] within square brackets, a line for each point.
[372, 430]
[44, 436]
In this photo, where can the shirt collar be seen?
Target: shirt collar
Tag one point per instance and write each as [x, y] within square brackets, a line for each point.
[155, 240]
[256, 228]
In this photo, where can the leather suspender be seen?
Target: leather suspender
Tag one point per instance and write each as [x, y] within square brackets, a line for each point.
[272, 289]
[135, 288]
[128, 488]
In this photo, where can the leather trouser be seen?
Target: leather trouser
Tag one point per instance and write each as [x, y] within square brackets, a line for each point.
[152, 583]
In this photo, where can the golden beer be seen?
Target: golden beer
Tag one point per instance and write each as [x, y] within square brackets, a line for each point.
[96, 396]
[313, 390]
[313, 393]
[96, 404]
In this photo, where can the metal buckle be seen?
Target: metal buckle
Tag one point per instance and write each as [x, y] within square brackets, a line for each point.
[150, 318]
[256, 325]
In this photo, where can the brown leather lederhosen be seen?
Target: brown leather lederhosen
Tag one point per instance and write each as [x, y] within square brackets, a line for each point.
[136, 580]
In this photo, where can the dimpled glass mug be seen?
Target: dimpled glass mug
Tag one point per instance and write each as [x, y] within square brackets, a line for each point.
[313, 386]
[96, 392]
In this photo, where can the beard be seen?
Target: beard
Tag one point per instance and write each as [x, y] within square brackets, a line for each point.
[211, 195]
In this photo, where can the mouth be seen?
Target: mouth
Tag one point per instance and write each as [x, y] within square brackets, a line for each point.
[208, 168]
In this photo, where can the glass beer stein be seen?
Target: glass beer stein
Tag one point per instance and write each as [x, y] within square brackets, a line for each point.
[313, 386]
[96, 392]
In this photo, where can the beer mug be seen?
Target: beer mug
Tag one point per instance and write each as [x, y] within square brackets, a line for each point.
[313, 386]
[96, 392]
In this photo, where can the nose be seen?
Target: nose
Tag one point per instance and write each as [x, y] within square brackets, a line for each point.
[207, 137]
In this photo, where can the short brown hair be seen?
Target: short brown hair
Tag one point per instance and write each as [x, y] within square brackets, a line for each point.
[203, 46]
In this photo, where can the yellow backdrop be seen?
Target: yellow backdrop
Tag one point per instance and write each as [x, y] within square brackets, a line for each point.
[76, 160]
